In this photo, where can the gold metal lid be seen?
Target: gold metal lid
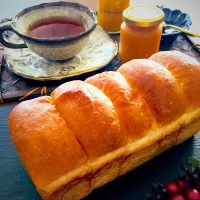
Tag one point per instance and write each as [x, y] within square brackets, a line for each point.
[143, 16]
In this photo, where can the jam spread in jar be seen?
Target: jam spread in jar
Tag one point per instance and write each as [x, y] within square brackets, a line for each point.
[140, 32]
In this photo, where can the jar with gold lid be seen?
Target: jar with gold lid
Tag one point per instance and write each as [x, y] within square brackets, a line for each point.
[140, 32]
[110, 15]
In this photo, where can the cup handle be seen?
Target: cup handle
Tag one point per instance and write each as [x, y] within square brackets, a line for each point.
[8, 27]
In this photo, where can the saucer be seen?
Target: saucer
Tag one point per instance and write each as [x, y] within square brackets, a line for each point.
[98, 53]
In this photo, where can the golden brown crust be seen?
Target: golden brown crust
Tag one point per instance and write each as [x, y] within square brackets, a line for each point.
[158, 86]
[53, 133]
[91, 116]
[46, 146]
[185, 69]
[133, 111]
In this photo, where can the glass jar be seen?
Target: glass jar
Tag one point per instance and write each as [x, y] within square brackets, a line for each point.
[140, 32]
[110, 15]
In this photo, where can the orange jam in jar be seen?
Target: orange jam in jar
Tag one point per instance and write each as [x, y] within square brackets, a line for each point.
[110, 15]
[140, 32]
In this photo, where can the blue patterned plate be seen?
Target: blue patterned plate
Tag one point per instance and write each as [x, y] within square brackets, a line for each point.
[174, 17]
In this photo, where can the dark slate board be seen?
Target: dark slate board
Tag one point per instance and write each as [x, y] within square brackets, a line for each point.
[15, 183]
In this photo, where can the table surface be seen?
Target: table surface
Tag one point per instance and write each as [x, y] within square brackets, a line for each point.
[13, 88]
[15, 184]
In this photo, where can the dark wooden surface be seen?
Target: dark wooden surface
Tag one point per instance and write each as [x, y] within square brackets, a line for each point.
[15, 184]
[13, 87]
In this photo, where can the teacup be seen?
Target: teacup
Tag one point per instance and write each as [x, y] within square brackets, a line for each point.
[51, 48]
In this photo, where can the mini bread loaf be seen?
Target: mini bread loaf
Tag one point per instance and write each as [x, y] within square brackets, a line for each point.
[86, 134]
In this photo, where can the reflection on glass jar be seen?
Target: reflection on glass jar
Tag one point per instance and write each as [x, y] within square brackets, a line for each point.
[110, 15]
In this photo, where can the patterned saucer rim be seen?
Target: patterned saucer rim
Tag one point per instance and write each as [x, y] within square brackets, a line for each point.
[57, 78]
[61, 77]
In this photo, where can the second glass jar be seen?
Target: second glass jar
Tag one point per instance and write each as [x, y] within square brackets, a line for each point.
[110, 15]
